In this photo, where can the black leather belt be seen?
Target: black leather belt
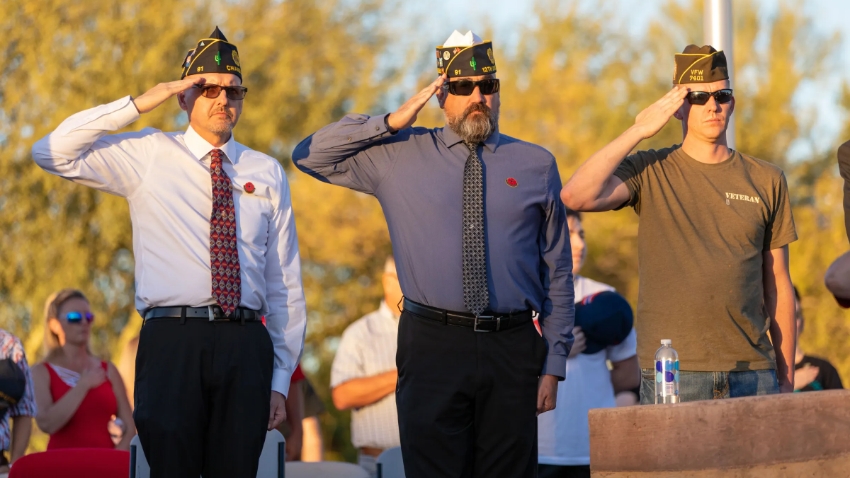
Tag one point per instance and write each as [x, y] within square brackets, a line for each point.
[211, 313]
[482, 323]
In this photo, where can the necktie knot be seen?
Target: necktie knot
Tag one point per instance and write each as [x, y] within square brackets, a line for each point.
[216, 156]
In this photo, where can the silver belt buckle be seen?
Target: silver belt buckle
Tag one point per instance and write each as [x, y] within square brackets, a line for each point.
[212, 315]
[486, 317]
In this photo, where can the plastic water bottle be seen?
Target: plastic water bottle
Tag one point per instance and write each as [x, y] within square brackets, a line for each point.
[666, 373]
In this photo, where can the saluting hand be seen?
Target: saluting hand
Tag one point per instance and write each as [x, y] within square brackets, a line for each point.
[655, 116]
[405, 116]
[163, 91]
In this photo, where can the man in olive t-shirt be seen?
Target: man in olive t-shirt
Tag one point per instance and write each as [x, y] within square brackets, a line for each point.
[712, 244]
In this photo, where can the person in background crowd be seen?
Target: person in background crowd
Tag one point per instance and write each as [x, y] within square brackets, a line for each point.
[811, 373]
[837, 277]
[302, 429]
[364, 375]
[715, 225]
[17, 401]
[312, 448]
[563, 434]
[292, 427]
[77, 394]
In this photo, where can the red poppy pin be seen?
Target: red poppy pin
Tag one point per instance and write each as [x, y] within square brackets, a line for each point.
[249, 187]
[511, 182]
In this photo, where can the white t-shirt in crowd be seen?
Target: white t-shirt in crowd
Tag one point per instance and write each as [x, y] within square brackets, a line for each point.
[563, 433]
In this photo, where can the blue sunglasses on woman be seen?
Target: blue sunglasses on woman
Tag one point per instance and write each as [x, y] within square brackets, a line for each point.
[77, 317]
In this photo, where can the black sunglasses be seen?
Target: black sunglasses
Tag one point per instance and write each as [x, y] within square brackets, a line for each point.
[232, 92]
[466, 87]
[701, 97]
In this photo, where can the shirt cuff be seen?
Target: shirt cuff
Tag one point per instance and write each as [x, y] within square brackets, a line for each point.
[377, 126]
[555, 365]
[280, 381]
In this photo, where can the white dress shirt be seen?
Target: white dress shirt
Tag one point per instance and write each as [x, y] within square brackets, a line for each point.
[165, 177]
[367, 348]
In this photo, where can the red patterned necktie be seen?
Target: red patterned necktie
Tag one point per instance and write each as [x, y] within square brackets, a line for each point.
[224, 257]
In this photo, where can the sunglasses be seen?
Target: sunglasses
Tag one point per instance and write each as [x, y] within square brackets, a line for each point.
[701, 97]
[77, 317]
[466, 87]
[232, 92]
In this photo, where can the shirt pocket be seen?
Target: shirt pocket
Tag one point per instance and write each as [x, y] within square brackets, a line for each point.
[254, 211]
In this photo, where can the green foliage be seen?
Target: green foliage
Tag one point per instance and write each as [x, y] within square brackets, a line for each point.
[576, 80]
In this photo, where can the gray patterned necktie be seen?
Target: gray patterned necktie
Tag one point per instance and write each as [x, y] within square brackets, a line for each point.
[475, 294]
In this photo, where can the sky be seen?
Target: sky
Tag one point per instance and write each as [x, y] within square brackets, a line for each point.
[506, 17]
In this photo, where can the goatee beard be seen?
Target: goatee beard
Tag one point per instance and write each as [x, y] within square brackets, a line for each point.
[474, 128]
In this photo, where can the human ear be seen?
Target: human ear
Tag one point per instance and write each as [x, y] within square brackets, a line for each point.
[55, 326]
[181, 100]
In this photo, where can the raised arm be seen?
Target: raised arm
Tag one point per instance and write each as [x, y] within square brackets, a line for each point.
[80, 150]
[844, 169]
[346, 153]
[593, 187]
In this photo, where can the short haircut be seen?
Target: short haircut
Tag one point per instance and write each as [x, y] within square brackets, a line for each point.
[575, 214]
[796, 293]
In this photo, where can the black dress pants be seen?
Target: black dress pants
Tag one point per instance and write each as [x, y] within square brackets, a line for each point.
[467, 400]
[202, 397]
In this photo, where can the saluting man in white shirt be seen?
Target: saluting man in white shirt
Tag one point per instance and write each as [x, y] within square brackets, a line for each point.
[216, 249]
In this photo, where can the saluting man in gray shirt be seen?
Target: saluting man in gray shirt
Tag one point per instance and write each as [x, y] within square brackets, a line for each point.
[480, 240]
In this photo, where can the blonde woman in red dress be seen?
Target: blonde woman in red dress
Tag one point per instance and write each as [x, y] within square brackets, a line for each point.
[77, 394]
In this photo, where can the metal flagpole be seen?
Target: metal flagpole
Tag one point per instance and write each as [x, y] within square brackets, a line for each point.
[717, 25]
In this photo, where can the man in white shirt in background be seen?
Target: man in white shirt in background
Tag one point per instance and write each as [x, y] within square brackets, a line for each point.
[364, 375]
[215, 248]
[563, 434]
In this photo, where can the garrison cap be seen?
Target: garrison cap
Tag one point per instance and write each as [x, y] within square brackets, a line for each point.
[465, 55]
[700, 65]
[212, 55]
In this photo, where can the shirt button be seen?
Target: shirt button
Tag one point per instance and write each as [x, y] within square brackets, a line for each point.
[349, 139]
[377, 128]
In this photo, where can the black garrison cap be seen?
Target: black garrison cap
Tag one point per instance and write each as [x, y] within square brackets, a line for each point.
[212, 55]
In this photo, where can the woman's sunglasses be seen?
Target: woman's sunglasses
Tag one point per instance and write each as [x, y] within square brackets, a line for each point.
[701, 97]
[232, 92]
[77, 317]
[466, 87]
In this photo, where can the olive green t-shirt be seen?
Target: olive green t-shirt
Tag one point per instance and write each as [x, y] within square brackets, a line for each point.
[703, 230]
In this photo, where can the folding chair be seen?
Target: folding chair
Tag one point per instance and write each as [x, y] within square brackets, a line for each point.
[390, 464]
[271, 460]
[72, 463]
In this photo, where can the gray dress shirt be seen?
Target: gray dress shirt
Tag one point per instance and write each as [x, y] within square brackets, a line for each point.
[417, 176]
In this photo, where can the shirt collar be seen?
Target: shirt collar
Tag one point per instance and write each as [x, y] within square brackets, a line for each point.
[385, 311]
[199, 147]
[451, 138]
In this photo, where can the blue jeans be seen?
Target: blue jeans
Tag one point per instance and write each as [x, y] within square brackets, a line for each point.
[695, 386]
